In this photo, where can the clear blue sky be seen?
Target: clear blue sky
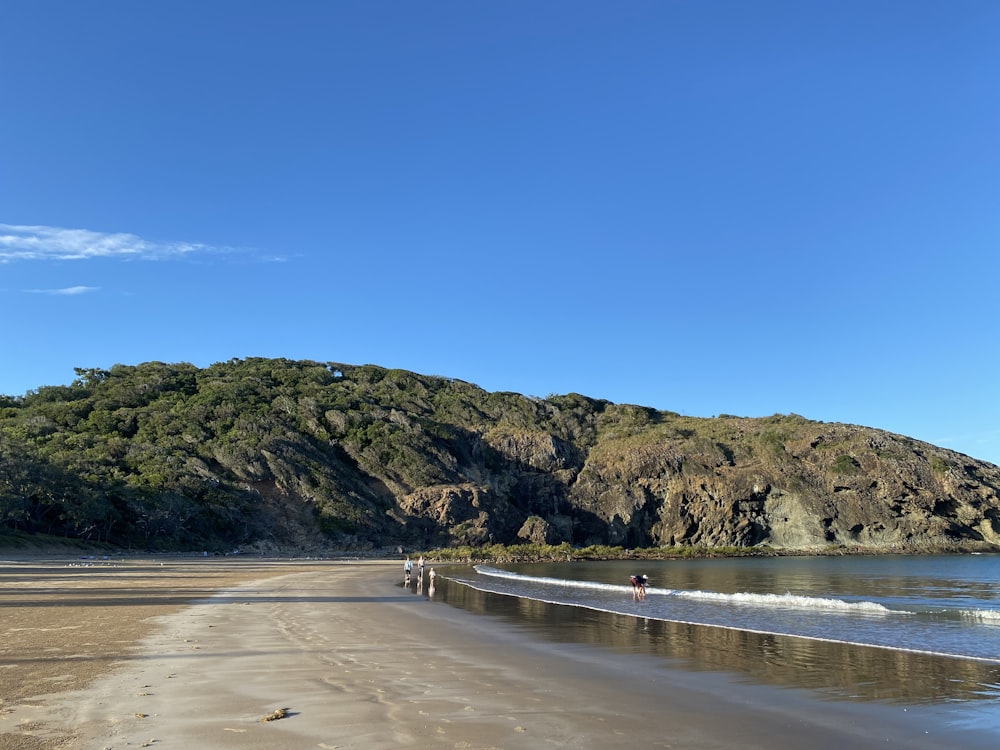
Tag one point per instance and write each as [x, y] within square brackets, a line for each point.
[708, 207]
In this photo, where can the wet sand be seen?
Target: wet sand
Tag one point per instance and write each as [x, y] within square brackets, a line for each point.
[353, 660]
[66, 621]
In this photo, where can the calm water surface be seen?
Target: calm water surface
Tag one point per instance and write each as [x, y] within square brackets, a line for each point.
[899, 629]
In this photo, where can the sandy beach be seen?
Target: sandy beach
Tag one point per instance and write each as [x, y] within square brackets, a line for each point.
[190, 654]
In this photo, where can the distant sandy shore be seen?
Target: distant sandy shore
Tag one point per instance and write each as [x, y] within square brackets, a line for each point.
[193, 654]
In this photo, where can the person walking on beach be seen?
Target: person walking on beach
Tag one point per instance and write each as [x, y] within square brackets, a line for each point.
[638, 586]
[420, 567]
[407, 570]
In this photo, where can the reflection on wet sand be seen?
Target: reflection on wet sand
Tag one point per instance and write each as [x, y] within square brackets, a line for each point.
[837, 670]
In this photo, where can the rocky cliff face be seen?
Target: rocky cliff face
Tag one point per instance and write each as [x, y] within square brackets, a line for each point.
[831, 485]
[281, 454]
[783, 482]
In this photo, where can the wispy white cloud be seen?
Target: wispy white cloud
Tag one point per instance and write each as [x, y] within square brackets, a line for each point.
[27, 243]
[69, 290]
[990, 438]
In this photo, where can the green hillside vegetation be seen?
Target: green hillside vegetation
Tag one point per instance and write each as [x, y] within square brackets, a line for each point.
[272, 454]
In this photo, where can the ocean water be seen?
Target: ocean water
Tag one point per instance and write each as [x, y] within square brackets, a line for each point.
[898, 629]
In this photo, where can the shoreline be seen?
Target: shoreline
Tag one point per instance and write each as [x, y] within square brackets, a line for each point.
[356, 661]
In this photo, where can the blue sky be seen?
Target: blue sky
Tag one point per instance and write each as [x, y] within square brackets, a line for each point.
[708, 207]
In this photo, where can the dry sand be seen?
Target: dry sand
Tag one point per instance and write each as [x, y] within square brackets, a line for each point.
[355, 661]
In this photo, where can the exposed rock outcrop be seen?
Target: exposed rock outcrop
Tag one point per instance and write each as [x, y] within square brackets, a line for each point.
[289, 454]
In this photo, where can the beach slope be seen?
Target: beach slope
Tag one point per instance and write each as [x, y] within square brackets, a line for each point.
[342, 656]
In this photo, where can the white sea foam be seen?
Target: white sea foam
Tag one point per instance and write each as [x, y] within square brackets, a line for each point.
[593, 585]
[983, 616]
[792, 601]
[757, 631]
[788, 600]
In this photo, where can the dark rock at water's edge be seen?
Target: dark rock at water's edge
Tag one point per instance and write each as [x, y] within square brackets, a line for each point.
[272, 455]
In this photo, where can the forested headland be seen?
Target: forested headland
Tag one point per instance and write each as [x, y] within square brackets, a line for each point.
[277, 455]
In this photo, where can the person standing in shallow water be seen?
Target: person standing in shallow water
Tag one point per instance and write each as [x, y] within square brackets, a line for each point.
[420, 567]
[407, 570]
[638, 586]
